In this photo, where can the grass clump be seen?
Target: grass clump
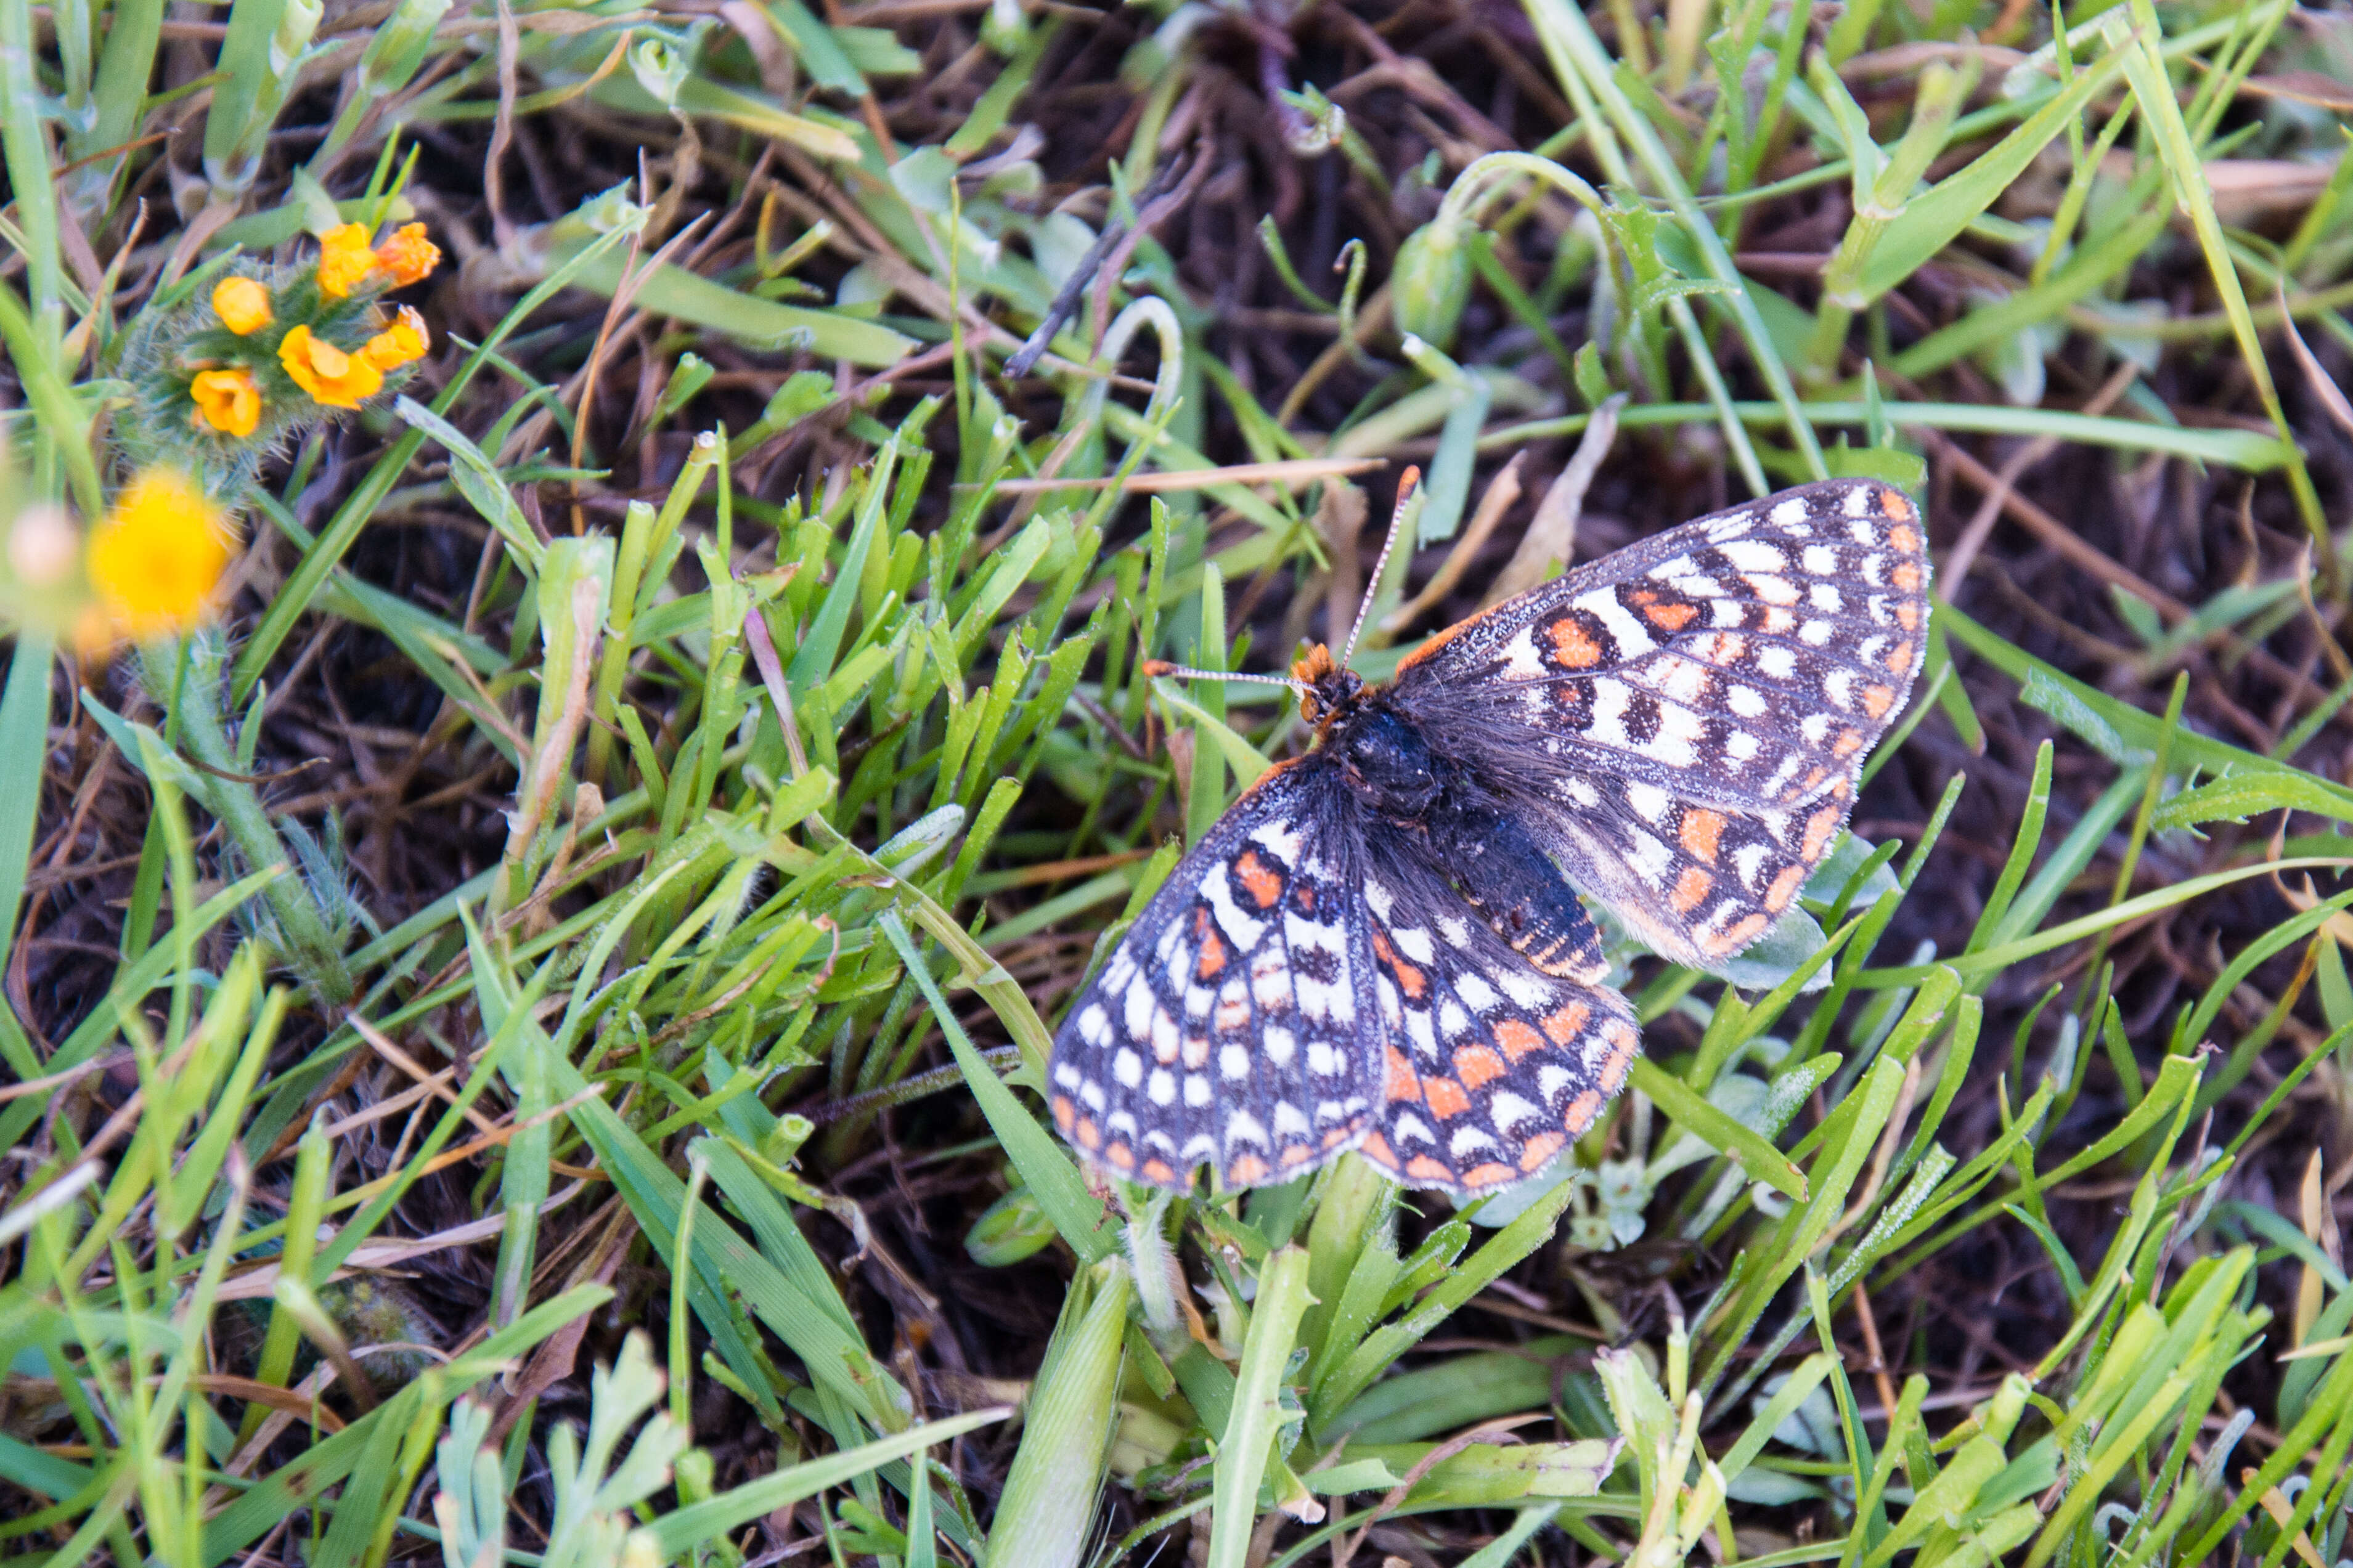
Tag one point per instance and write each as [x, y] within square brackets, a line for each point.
[530, 969]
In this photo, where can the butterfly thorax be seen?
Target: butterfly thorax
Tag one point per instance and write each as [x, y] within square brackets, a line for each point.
[1381, 753]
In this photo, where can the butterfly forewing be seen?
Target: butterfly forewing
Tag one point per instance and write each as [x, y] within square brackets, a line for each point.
[1687, 717]
[1226, 1030]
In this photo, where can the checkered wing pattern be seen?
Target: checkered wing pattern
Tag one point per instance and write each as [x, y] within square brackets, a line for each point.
[1226, 1030]
[1686, 719]
[1491, 1066]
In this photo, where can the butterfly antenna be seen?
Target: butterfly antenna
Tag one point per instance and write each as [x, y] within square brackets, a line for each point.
[1406, 485]
[1159, 666]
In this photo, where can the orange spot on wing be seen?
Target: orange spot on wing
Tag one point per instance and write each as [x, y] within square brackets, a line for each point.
[1899, 658]
[1907, 576]
[1335, 1137]
[1623, 1042]
[1410, 981]
[1517, 1039]
[1819, 829]
[1376, 1148]
[1903, 538]
[1123, 1156]
[1398, 1082]
[1895, 505]
[1156, 1170]
[1849, 743]
[1573, 646]
[1566, 1024]
[1261, 884]
[1739, 935]
[1785, 888]
[1669, 618]
[1541, 1149]
[1581, 1112]
[1248, 1171]
[1491, 1174]
[1066, 1115]
[1213, 957]
[1689, 890]
[1445, 1097]
[1089, 1135]
[1421, 1167]
[1908, 616]
[1702, 830]
[1297, 1154]
[1729, 650]
[1475, 1064]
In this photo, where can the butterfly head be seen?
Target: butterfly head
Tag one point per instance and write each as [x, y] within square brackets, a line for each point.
[1326, 689]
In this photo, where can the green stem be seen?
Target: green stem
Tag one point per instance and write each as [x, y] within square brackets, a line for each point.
[303, 928]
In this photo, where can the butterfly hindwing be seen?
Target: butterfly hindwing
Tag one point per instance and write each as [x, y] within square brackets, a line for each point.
[1227, 1028]
[1491, 1066]
[1686, 719]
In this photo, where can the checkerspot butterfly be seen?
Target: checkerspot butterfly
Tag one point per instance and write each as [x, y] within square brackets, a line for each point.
[1380, 946]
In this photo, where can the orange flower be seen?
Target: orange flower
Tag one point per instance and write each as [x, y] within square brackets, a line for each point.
[344, 260]
[336, 378]
[158, 554]
[228, 400]
[409, 256]
[242, 304]
[402, 342]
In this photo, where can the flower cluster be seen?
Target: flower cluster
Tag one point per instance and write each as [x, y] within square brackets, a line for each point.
[279, 350]
[222, 374]
[321, 332]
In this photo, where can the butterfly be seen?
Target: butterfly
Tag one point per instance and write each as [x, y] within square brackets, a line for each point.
[1380, 946]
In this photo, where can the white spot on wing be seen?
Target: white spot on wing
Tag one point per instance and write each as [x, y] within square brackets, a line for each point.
[1510, 1111]
[1631, 638]
[1756, 554]
[1279, 837]
[1651, 856]
[1649, 801]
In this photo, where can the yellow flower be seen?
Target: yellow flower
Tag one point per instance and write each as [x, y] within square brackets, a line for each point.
[344, 260]
[242, 304]
[157, 556]
[336, 378]
[228, 400]
[402, 342]
[409, 256]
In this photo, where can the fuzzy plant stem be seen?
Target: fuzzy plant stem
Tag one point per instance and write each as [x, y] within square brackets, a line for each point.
[186, 677]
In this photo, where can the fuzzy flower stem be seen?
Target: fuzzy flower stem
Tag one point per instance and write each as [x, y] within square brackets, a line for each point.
[186, 675]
